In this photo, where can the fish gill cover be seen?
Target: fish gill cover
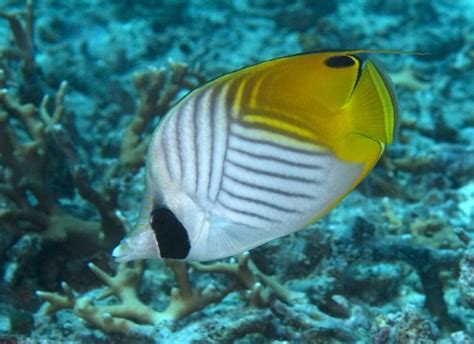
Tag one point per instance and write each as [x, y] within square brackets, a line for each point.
[84, 83]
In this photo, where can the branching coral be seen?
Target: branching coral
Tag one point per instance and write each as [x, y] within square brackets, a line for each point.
[131, 312]
[32, 137]
[316, 326]
[248, 276]
[290, 312]
[27, 133]
[23, 35]
[26, 177]
[157, 89]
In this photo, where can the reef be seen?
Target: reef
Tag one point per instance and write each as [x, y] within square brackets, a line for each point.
[81, 91]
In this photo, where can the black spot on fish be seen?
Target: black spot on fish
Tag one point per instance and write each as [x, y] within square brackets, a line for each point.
[341, 61]
[170, 233]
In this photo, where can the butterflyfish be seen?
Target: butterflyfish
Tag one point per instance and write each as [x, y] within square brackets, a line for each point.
[260, 153]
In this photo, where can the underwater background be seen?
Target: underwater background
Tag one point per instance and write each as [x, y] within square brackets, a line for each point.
[83, 84]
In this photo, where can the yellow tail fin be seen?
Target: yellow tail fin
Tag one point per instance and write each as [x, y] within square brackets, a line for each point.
[373, 106]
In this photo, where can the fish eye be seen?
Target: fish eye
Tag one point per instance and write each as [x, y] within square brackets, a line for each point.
[339, 61]
[172, 237]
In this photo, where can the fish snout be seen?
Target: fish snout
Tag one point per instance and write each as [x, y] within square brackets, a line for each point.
[141, 245]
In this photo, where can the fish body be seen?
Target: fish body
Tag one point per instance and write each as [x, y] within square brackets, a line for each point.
[260, 153]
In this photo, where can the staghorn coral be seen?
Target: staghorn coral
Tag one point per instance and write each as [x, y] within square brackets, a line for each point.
[290, 313]
[30, 136]
[156, 89]
[275, 310]
[248, 275]
[24, 39]
[39, 161]
[131, 313]
[316, 326]
[26, 176]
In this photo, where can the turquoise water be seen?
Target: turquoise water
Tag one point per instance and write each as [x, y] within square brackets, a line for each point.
[84, 83]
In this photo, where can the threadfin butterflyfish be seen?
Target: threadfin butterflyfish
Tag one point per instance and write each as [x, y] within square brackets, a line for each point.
[260, 153]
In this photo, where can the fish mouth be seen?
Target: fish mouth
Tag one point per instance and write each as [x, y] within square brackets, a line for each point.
[141, 245]
[121, 252]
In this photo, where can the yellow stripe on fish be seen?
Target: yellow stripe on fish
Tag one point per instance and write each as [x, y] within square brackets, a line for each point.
[260, 153]
[278, 124]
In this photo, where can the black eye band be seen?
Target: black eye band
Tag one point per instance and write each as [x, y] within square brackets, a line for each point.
[340, 61]
[170, 234]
